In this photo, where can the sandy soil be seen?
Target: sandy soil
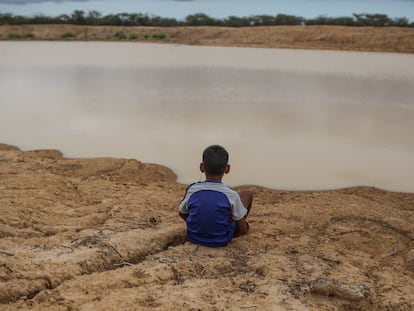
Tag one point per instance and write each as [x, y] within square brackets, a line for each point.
[104, 234]
[378, 39]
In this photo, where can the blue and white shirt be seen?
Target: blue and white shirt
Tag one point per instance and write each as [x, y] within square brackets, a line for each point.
[211, 207]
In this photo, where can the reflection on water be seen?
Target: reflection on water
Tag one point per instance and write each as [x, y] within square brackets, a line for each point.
[290, 119]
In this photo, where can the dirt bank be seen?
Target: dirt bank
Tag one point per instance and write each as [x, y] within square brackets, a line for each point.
[103, 234]
[378, 39]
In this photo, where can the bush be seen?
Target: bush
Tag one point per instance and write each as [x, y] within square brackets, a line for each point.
[159, 35]
[29, 35]
[67, 34]
[15, 35]
[120, 35]
[133, 36]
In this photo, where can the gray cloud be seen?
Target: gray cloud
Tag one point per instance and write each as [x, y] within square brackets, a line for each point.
[58, 1]
[17, 2]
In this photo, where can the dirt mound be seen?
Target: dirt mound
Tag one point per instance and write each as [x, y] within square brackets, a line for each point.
[104, 234]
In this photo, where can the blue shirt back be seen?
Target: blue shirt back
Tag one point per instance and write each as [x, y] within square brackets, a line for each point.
[211, 209]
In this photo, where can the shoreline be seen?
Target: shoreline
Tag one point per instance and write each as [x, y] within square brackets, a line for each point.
[171, 176]
[369, 39]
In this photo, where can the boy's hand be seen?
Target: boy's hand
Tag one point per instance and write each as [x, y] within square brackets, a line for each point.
[183, 216]
[242, 227]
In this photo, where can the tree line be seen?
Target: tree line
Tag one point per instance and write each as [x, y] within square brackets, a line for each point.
[79, 17]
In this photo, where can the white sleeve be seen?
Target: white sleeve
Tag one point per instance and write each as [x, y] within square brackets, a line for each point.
[183, 207]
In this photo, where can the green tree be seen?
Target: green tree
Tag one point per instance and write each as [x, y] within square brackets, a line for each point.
[344, 21]
[400, 21]
[93, 18]
[42, 20]
[6, 19]
[20, 20]
[284, 19]
[111, 20]
[262, 20]
[372, 20]
[164, 22]
[64, 19]
[234, 21]
[200, 19]
[320, 20]
[78, 17]
[142, 20]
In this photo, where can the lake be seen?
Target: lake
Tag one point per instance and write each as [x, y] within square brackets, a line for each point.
[290, 119]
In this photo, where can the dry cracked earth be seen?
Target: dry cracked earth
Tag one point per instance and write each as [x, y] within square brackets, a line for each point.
[104, 234]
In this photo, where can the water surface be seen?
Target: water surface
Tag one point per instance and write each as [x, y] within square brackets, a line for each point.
[291, 119]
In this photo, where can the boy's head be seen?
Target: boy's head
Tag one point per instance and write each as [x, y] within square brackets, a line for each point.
[215, 161]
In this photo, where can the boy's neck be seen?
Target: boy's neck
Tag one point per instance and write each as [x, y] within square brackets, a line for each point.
[214, 178]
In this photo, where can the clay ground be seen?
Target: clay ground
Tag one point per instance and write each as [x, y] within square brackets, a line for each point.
[104, 234]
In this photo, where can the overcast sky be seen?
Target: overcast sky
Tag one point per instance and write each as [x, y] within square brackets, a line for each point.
[36, 1]
[215, 8]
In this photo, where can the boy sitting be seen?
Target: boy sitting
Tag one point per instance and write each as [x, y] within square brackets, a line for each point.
[215, 213]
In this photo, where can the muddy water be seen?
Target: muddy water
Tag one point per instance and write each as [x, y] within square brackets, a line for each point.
[290, 119]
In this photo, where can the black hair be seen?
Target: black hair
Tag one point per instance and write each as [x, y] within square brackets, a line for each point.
[215, 159]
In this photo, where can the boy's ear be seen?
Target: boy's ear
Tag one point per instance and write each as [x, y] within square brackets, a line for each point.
[227, 170]
[202, 168]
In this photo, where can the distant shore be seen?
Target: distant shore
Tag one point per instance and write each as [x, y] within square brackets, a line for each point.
[370, 39]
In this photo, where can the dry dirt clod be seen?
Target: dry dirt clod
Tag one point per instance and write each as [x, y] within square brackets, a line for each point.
[329, 287]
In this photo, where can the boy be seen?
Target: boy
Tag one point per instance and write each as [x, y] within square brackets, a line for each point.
[215, 213]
